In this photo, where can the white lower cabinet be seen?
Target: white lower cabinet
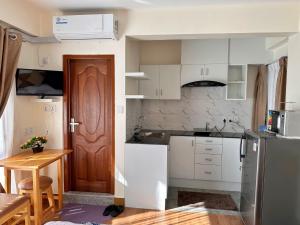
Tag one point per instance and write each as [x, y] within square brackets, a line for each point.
[146, 176]
[182, 157]
[231, 165]
[206, 159]
[207, 172]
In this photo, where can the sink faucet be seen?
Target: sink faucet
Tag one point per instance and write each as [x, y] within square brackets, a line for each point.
[207, 126]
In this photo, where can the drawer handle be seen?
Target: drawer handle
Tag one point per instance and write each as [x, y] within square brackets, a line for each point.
[208, 159]
[209, 141]
[208, 172]
[208, 149]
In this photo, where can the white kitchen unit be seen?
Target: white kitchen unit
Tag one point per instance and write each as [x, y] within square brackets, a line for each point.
[204, 51]
[214, 72]
[146, 176]
[163, 83]
[214, 165]
[231, 165]
[182, 157]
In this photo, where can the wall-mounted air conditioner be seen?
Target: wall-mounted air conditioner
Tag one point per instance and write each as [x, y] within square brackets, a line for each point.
[80, 27]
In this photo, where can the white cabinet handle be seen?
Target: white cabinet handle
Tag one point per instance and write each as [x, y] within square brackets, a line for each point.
[161, 92]
[208, 159]
[208, 149]
[208, 141]
[193, 143]
[208, 172]
[207, 71]
[156, 92]
[202, 71]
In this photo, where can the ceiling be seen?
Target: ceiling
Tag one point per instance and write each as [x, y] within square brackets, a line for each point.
[142, 4]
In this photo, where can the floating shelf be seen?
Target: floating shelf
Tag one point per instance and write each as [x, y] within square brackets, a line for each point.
[135, 96]
[137, 75]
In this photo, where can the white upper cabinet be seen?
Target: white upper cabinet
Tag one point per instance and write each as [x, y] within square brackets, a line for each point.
[231, 165]
[163, 82]
[204, 51]
[169, 77]
[150, 88]
[249, 51]
[216, 72]
[190, 73]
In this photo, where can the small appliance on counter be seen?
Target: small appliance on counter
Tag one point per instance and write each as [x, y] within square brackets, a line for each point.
[284, 123]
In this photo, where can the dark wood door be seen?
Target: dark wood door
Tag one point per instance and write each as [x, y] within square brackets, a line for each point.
[90, 86]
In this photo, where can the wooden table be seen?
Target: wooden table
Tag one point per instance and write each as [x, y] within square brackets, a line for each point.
[27, 161]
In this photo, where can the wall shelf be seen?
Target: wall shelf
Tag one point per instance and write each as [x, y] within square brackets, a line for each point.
[135, 96]
[237, 82]
[136, 75]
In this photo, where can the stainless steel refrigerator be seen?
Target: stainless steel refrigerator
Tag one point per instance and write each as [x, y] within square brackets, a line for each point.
[270, 180]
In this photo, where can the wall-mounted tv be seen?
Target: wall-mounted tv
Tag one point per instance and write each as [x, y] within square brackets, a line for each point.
[39, 82]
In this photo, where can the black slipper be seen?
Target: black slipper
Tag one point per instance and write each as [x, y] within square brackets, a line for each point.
[118, 209]
[108, 210]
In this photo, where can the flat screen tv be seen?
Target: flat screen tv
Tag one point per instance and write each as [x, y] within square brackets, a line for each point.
[39, 82]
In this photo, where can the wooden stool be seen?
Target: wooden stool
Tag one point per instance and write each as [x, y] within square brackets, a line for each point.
[26, 187]
[14, 209]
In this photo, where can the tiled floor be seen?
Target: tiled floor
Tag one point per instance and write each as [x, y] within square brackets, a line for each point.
[171, 202]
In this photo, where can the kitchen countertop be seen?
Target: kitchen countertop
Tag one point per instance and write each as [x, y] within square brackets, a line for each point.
[162, 137]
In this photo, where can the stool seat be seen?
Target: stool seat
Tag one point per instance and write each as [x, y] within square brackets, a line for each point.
[9, 202]
[27, 184]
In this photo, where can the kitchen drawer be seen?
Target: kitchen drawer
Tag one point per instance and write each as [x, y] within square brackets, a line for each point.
[209, 141]
[207, 172]
[208, 159]
[209, 149]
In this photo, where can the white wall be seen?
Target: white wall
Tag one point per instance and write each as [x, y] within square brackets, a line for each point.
[217, 19]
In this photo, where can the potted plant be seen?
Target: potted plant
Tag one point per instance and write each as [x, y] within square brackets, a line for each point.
[35, 143]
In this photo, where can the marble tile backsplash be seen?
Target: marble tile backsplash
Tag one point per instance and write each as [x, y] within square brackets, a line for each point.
[196, 107]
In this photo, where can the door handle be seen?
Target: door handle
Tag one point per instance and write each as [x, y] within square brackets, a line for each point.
[73, 124]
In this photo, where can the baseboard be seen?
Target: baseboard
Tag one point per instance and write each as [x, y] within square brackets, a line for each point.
[119, 201]
[200, 184]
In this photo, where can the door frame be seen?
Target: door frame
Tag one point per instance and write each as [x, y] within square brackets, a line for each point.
[67, 137]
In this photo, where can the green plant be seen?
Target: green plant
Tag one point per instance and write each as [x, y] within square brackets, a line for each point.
[37, 141]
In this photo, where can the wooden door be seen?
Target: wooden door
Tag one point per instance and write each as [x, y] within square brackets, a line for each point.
[89, 101]
[150, 87]
[169, 90]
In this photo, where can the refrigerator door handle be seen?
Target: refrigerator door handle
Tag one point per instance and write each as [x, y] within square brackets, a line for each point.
[241, 153]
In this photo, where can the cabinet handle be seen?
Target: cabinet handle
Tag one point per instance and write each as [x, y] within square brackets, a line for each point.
[156, 92]
[208, 159]
[208, 149]
[208, 172]
[202, 70]
[193, 143]
[208, 141]
[207, 71]
[161, 93]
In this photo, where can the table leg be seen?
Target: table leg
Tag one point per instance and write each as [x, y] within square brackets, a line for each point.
[37, 197]
[60, 183]
[7, 174]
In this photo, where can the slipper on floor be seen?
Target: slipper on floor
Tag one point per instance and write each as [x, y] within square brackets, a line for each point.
[108, 210]
[118, 209]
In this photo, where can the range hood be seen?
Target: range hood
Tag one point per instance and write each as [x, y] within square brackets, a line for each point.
[204, 83]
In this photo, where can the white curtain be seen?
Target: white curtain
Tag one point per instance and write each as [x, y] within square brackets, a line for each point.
[7, 127]
[273, 71]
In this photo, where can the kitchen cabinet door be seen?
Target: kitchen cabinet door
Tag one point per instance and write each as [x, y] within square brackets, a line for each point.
[190, 73]
[169, 76]
[204, 51]
[150, 88]
[231, 165]
[216, 72]
[182, 157]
